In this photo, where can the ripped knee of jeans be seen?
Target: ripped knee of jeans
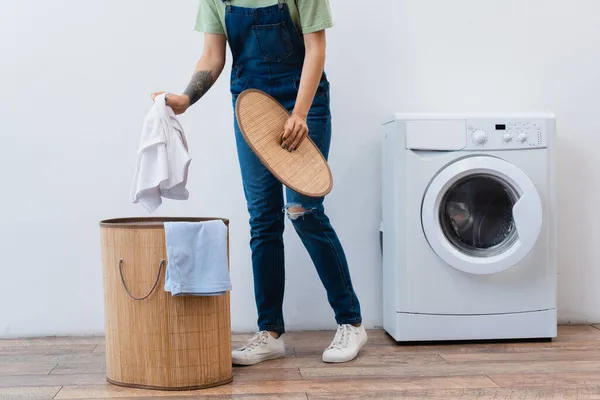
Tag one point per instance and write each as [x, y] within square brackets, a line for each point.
[296, 211]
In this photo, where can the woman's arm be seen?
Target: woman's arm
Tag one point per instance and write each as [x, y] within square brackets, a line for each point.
[208, 69]
[296, 129]
[312, 71]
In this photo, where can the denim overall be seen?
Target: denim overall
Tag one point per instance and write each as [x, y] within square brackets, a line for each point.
[268, 54]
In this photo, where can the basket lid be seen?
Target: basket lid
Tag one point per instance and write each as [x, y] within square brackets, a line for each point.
[261, 120]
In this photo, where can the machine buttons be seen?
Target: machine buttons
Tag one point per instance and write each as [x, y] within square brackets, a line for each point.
[479, 137]
[523, 137]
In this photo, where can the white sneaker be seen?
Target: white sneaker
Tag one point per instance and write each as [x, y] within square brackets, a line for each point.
[346, 344]
[261, 347]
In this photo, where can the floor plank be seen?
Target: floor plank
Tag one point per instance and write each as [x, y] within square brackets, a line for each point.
[51, 341]
[297, 386]
[575, 333]
[500, 348]
[26, 368]
[275, 374]
[450, 370]
[47, 350]
[548, 356]
[548, 380]
[52, 358]
[106, 392]
[80, 368]
[29, 393]
[297, 396]
[51, 380]
[592, 393]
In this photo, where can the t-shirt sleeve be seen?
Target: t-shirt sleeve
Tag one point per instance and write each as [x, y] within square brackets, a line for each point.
[208, 19]
[315, 15]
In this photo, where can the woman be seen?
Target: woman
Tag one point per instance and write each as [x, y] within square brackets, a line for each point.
[271, 54]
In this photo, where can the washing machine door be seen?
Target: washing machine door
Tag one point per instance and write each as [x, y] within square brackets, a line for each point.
[482, 215]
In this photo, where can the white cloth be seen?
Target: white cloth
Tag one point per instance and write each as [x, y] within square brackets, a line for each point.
[163, 159]
[198, 262]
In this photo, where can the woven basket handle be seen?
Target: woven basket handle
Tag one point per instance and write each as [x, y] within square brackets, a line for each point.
[160, 268]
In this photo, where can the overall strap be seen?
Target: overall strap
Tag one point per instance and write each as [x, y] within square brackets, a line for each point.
[280, 2]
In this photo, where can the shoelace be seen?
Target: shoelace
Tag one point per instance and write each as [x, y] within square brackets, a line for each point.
[341, 338]
[257, 340]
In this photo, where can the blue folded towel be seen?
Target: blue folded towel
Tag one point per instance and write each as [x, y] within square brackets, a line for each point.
[197, 255]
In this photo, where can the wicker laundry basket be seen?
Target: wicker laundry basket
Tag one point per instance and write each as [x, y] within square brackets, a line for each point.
[155, 340]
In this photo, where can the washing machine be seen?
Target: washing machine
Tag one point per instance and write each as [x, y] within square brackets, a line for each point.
[469, 227]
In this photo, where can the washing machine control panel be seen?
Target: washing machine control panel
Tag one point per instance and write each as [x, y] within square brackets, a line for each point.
[506, 135]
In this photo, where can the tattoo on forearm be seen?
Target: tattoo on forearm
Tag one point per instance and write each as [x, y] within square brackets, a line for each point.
[201, 82]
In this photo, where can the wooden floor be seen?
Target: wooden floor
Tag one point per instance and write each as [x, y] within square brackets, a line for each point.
[568, 368]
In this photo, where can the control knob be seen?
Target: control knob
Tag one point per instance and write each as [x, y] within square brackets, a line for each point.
[479, 137]
[523, 137]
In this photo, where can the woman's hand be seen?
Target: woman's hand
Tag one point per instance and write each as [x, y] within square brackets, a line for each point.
[295, 132]
[179, 103]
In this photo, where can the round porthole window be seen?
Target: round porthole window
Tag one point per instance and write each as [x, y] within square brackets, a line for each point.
[476, 215]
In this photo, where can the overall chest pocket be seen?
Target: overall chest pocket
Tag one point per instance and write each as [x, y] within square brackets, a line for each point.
[274, 41]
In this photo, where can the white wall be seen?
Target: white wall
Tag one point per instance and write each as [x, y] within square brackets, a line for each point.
[76, 77]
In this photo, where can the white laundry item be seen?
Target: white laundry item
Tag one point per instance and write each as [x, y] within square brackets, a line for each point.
[163, 159]
[198, 262]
